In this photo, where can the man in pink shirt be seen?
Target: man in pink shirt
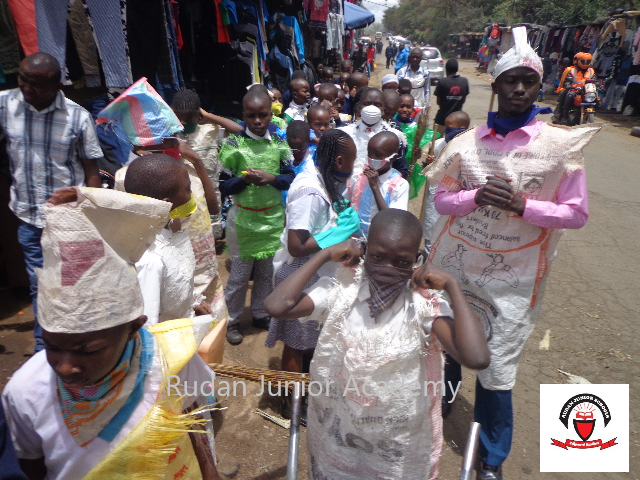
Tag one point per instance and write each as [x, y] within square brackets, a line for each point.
[506, 191]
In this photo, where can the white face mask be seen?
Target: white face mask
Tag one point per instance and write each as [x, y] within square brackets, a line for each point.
[379, 163]
[371, 115]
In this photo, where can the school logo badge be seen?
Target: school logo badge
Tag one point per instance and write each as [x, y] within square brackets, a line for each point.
[584, 428]
[581, 409]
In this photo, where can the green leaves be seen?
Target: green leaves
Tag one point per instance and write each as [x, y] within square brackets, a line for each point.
[432, 20]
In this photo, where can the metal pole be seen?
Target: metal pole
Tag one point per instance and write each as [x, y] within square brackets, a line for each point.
[294, 433]
[470, 451]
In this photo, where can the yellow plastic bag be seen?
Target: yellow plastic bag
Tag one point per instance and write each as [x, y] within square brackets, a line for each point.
[160, 447]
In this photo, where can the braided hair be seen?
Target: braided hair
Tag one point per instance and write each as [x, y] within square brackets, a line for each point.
[333, 142]
[186, 101]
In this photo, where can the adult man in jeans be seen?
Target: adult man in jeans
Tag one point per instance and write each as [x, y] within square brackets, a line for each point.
[51, 143]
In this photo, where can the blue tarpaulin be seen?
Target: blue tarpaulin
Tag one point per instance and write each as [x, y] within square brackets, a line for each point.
[356, 17]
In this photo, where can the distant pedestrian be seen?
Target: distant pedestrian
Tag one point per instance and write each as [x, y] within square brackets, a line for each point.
[371, 58]
[451, 93]
[390, 53]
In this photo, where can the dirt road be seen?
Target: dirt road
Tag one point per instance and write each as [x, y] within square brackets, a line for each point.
[591, 303]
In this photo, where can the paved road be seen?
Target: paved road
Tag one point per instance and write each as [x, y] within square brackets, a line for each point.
[591, 305]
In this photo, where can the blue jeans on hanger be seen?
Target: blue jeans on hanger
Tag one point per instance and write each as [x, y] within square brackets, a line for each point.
[29, 238]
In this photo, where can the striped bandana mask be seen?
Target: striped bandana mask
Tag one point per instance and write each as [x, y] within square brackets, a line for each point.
[386, 283]
[100, 410]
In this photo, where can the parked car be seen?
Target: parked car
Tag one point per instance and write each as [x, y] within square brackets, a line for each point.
[432, 60]
[365, 40]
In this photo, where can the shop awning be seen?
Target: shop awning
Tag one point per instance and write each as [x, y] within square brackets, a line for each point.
[356, 17]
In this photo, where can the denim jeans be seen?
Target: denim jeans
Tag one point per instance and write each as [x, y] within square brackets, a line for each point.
[29, 238]
[494, 412]
[369, 69]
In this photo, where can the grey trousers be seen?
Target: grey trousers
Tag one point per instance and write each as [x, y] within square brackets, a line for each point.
[236, 290]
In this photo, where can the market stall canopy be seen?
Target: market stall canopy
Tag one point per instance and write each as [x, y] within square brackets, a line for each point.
[356, 17]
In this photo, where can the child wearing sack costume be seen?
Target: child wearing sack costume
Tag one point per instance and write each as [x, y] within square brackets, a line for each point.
[95, 403]
[377, 346]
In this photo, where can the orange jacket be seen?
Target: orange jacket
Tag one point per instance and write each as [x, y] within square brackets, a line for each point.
[576, 76]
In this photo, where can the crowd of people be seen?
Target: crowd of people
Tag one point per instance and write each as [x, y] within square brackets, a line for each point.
[314, 186]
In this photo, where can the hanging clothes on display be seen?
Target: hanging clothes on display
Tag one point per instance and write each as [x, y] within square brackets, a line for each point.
[9, 45]
[318, 13]
[335, 29]
[84, 44]
[108, 20]
[51, 21]
[24, 17]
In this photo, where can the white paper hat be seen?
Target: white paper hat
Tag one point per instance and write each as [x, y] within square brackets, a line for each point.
[88, 281]
[520, 55]
[389, 78]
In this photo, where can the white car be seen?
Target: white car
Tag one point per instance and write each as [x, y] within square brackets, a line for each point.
[432, 60]
[365, 40]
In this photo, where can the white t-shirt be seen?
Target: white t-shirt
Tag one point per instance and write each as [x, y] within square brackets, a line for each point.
[37, 427]
[308, 208]
[165, 273]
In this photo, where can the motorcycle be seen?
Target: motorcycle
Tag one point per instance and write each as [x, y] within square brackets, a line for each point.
[585, 102]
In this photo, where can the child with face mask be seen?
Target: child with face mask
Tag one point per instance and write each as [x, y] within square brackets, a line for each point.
[317, 217]
[382, 330]
[166, 270]
[159, 138]
[455, 123]
[370, 105]
[379, 186]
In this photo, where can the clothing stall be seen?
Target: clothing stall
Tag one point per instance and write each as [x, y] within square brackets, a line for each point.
[613, 41]
[218, 47]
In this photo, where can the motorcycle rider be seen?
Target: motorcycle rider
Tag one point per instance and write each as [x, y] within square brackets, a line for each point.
[576, 75]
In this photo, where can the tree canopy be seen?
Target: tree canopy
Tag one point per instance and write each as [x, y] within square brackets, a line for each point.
[432, 20]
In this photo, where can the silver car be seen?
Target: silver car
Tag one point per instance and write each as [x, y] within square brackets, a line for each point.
[432, 60]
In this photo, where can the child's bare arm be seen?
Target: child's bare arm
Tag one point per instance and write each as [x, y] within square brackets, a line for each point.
[229, 125]
[372, 176]
[209, 190]
[288, 300]
[463, 338]
[301, 243]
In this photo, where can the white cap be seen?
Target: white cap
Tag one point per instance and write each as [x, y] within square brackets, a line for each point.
[88, 281]
[389, 78]
[520, 55]
[370, 115]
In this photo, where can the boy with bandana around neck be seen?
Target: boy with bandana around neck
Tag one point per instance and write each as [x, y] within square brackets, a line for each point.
[517, 182]
[379, 186]
[381, 331]
[83, 407]
[260, 163]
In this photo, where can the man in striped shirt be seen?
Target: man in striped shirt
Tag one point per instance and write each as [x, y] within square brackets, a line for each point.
[51, 143]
